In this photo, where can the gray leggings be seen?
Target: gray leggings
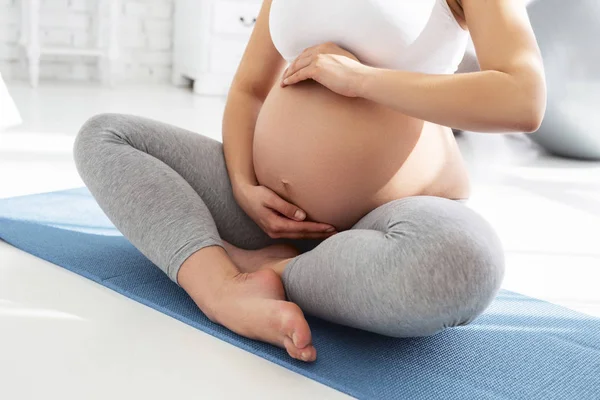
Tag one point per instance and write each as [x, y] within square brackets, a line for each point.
[411, 267]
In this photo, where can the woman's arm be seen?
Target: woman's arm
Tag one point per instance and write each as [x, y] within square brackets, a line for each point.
[509, 94]
[239, 118]
[259, 68]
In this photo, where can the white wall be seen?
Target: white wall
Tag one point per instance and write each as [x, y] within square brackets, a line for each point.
[145, 39]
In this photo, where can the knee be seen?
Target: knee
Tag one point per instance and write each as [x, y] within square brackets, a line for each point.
[475, 268]
[91, 134]
[99, 123]
[453, 287]
[482, 265]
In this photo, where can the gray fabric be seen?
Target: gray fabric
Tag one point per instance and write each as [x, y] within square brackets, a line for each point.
[411, 267]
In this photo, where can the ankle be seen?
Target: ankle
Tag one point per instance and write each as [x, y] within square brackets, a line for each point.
[278, 265]
[204, 275]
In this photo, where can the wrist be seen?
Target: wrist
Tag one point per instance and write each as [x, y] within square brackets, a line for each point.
[239, 186]
[364, 80]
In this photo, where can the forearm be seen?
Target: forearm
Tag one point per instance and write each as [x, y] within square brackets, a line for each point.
[486, 101]
[239, 118]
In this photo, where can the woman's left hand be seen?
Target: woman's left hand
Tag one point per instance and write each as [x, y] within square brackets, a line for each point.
[330, 65]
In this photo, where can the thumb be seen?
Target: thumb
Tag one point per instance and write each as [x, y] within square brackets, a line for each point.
[285, 208]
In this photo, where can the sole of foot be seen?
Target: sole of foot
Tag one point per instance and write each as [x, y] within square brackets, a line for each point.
[253, 305]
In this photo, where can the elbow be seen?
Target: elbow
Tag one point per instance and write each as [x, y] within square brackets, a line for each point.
[523, 102]
[532, 120]
[529, 113]
[521, 119]
[533, 104]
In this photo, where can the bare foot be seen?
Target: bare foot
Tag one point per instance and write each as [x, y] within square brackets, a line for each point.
[253, 305]
[253, 260]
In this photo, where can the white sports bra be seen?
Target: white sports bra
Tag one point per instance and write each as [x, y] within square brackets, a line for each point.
[410, 35]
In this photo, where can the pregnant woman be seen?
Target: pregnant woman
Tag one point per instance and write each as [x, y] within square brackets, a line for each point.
[339, 189]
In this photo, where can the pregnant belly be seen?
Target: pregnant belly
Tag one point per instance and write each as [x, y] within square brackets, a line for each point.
[338, 158]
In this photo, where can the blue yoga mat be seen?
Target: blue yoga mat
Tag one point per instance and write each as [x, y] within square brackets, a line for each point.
[520, 348]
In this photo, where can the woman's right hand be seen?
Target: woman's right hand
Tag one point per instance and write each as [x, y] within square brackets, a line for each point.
[277, 217]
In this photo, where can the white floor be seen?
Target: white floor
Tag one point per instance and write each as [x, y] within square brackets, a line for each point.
[62, 336]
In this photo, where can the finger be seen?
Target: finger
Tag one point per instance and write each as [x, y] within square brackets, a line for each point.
[303, 235]
[283, 207]
[302, 75]
[302, 61]
[300, 65]
[292, 69]
[287, 225]
[305, 53]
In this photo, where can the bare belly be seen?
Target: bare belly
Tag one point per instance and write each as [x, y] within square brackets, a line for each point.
[338, 158]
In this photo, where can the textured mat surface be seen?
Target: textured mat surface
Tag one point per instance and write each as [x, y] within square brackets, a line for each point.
[520, 348]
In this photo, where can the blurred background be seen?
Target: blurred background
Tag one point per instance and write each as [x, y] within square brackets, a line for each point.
[62, 61]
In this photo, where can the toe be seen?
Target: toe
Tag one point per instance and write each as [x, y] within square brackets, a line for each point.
[294, 325]
[296, 333]
[308, 353]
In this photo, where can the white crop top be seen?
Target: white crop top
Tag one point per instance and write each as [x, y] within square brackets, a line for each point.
[410, 35]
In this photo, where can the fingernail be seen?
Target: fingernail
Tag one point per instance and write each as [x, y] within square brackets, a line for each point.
[330, 230]
[295, 339]
[299, 214]
[304, 356]
[285, 81]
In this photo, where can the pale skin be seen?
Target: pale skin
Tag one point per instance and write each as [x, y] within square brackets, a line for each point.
[242, 289]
